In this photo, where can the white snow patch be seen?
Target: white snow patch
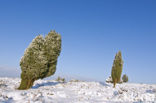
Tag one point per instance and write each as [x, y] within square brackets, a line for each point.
[50, 91]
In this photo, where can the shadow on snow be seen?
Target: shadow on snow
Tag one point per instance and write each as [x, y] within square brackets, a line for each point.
[44, 84]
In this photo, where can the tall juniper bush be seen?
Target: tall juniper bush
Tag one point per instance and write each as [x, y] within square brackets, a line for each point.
[40, 59]
[117, 68]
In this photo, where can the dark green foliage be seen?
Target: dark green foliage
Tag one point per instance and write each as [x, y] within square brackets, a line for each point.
[40, 59]
[74, 80]
[63, 80]
[117, 68]
[52, 51]
[125, 78]
[59, 79]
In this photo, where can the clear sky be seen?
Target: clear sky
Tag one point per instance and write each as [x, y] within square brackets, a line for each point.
[92, 32]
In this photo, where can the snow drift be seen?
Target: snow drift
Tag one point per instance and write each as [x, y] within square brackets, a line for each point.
[51, 91]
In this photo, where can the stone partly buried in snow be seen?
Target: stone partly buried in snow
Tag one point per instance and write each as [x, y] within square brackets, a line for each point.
[40, 59]
[109, 80]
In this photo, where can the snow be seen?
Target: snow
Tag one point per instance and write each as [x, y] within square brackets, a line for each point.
[51, 91]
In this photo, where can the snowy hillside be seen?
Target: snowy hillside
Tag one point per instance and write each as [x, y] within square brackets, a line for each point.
[50, 91]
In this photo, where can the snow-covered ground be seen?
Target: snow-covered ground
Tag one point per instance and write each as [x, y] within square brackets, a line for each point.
[50, 91]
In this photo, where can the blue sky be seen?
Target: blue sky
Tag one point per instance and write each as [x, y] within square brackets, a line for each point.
[92, 32]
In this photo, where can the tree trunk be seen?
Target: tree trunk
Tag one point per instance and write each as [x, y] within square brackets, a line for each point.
[114, 83]
[25, 84]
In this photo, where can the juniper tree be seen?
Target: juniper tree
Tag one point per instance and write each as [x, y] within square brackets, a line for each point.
[125, 78]
[117, 68]
[40, 59]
